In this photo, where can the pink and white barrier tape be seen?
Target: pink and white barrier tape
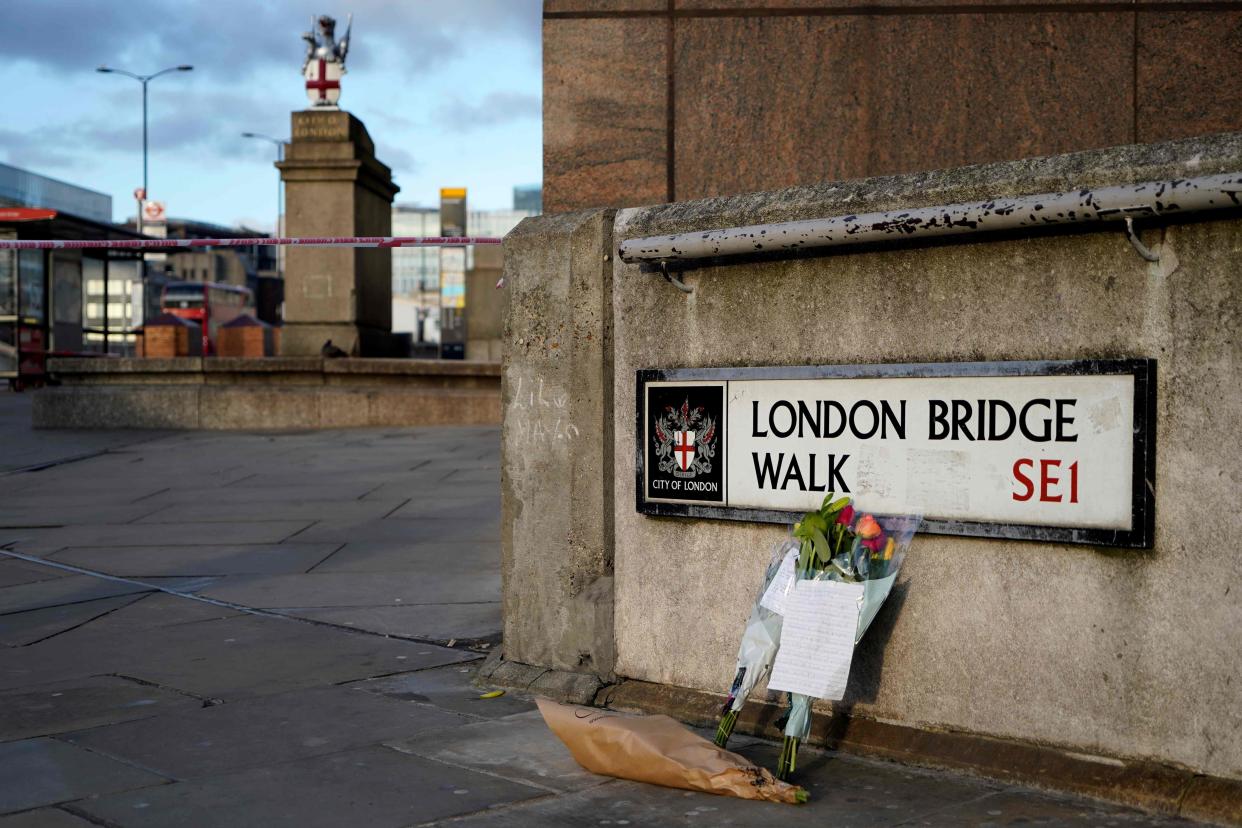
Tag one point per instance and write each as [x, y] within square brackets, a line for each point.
[309, 241]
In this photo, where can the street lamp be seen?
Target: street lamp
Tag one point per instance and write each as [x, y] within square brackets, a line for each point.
[144, 80]
[278, 229]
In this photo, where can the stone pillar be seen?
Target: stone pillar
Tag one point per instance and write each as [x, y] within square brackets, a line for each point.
[334, 186]
[556, 444]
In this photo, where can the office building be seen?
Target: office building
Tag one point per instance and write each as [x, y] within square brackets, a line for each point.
[22, 188]
[528, 197]
[416, 270]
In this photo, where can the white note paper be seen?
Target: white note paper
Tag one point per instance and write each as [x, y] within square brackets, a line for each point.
[774, 596]
[817, 639]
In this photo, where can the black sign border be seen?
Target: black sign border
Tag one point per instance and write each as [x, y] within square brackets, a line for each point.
[1143, 472]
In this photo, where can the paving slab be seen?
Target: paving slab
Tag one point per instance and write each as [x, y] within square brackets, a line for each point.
[229, 737]
[155, 561]
[232, 658]
[44, 772]
[87, 702]
[157, 609]
[344, 483]
[1016, 807]
[14, 572]
[464, 507]
[115, 496]
[53, 513]
[334, 509]
[433, 485]
[159, 534]
[519, 747]
[226, 498]
[21, 446]
[72, 589]
[488, 476]
[45, 818]
[450, 688]
[375, 787]
[18, 629]
[413, 556]
[423, 530]
[359, 589]
[71, 481]
[428, 622]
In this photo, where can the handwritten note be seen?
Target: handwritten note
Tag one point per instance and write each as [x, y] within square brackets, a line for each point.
[817, 639]
[782, 583]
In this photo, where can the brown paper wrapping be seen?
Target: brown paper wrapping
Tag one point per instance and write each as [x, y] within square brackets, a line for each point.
[661, 751]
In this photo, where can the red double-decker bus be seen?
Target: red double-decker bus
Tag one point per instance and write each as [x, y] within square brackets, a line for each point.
[209, 304]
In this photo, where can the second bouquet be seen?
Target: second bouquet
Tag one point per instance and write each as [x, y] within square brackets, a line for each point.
[820, 600]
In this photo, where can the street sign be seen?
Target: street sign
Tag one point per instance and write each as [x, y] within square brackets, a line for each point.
[26, 214]
[152, 212]
[452, 211]
[1059, 451]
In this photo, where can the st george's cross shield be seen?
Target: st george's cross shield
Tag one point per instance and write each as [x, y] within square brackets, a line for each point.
[683, 449]
[323, 82]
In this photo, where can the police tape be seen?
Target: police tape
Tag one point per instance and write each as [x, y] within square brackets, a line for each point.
[306, 241]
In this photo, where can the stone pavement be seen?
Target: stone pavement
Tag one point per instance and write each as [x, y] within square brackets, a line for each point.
[226, 629]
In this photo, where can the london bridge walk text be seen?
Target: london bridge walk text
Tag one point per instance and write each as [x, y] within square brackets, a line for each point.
[1038, 420]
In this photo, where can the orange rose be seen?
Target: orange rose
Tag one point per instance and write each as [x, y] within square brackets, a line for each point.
[868, 528]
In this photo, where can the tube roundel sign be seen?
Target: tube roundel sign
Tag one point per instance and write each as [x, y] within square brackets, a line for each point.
[1054, 451]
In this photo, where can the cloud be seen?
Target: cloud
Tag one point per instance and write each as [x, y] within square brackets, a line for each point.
[234, 39]
[494, 109]
[398, 159]
[33, 150]
[178, 124]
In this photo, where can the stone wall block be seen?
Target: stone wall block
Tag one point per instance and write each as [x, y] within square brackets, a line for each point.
[557, 480]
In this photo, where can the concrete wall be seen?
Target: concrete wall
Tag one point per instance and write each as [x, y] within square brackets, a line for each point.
[662, 100]
[556, 478]
[486, 306]
[273, 393]
[1119, 653]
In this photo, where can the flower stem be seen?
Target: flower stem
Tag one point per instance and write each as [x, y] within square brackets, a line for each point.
[725, 730]
[788, 762]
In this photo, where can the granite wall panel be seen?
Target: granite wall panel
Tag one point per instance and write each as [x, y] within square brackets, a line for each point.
[604, 114]
[1189, 77]
[773, 93]
[768, 102]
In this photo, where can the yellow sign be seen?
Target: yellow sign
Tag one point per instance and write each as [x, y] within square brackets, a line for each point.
[452, 192]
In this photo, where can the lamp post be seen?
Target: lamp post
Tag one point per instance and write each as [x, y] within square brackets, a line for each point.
[144, 80]
[278, 228]
[142, 278]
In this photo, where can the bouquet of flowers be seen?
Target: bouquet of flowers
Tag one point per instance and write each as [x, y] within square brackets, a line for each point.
[760, 640]
[833, 543]
[838, 543]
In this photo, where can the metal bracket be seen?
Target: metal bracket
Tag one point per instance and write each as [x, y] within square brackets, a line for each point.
[673, 280]
[1142, 249]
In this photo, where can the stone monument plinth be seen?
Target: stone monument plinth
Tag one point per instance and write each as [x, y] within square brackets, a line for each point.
[335, 186]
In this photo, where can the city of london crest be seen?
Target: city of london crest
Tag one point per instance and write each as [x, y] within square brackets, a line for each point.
[685, 441]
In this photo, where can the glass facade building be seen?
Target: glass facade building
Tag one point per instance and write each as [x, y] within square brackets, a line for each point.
[22, 188]
[528, 197]
[416, 271]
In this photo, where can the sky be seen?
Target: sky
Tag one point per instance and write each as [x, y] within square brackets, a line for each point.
[450, 93]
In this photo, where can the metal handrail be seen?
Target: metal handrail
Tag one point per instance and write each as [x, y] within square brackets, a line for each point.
[1120, 203]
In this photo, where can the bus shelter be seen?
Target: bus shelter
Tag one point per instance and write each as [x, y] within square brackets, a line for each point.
[65, 302]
